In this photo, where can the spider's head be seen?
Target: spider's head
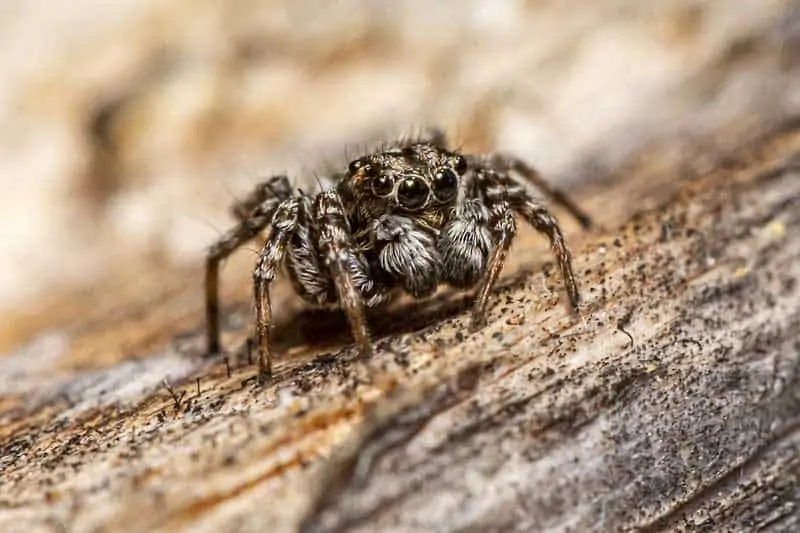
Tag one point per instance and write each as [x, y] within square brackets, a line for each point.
[413, 178]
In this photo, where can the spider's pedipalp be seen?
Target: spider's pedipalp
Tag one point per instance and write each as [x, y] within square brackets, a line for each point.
[464, 244]
[407, 254]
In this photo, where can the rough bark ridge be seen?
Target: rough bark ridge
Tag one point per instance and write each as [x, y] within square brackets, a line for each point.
[672, 404]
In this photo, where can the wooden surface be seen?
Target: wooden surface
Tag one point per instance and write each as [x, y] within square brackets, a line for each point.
[673, 403]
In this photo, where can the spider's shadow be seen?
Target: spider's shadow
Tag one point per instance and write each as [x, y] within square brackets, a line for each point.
[328, 328]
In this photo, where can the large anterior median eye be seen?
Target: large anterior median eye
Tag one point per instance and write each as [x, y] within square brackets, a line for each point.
[412, 193]
[382, 185]
[445, 184]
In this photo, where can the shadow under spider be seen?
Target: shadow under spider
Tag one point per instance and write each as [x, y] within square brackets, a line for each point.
[327, 330]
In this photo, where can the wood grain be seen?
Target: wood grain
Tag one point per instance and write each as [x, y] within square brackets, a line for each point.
[672, 404]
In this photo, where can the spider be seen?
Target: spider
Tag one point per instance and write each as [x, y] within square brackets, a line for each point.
[408, 217]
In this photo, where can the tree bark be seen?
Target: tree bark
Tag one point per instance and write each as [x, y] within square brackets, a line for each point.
[672, 403]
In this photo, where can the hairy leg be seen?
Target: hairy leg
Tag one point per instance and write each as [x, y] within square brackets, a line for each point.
[503, 228]
[283, 225]
[309, 275]
[253, 221]
[337, 251]
[517, 165]
[276, 188]
[503, 195]
[542, 221]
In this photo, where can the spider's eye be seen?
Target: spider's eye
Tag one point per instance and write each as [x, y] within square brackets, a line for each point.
[460, 165]
[412, 193]
[382, 185]
[355, 166]
[445, 184]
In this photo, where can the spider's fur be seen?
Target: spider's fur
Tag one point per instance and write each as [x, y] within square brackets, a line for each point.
[409, 216]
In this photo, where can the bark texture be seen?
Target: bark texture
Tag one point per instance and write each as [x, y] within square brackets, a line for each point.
[672, 403]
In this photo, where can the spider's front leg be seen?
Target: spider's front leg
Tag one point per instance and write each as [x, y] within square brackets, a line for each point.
[282, 226]
[255, 213]
[338, 252]
[504, 196]
[503, 228]
[475, 243]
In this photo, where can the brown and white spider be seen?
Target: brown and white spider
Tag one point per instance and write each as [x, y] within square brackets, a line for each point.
[408, 217]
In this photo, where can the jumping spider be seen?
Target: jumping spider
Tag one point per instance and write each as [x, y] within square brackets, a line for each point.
[408, 217]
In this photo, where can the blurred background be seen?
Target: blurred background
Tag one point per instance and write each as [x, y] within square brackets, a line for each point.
[127, 128]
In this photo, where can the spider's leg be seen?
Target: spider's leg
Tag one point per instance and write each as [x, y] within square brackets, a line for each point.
[276, 188]
[503, 196]
[309, 275]
[530, 174]
[503, 228]
[256, 220]
[337, 250]
[542, 221]
[283, 225]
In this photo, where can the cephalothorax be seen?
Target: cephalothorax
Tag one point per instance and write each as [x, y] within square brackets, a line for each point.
[408, 217]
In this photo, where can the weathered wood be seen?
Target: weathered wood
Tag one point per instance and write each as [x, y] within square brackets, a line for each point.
[672, 404]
